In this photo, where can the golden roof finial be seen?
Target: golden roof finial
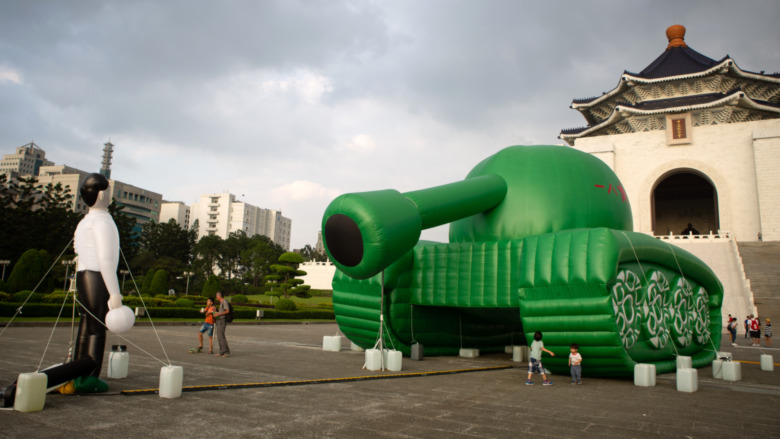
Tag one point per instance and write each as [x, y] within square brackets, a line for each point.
[676, 36]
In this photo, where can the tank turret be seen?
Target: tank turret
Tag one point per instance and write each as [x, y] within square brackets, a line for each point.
[518, 192]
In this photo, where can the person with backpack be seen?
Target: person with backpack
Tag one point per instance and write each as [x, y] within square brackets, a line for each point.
[225, 312]
[732, 327]
[755, 331]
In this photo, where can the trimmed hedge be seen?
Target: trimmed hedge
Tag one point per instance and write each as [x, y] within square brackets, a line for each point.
[51, 310]
[33, 310]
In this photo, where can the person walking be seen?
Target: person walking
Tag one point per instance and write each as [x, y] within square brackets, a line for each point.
[208, 326]
[732, 328]
[768, 333]
[224, 350]
[535, 363]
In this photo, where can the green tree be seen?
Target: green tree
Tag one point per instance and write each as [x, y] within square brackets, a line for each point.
[208, 253]
[33, 216]
[286, 272]
[124, 225]
[168, 240]
[29, 271]
[58, 222]
[159, 283]
[211, 287]
[146, 285]
[310, 254]
[230, 263]
[257, 257]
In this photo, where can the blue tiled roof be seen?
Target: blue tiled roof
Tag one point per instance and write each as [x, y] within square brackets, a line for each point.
[677, 61]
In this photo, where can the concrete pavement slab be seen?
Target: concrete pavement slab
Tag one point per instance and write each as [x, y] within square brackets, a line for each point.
[484, 404]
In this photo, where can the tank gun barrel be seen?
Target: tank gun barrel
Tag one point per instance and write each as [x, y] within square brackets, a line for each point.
[365, 232]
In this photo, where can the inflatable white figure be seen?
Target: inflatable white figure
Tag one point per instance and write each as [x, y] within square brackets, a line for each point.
[96, 242]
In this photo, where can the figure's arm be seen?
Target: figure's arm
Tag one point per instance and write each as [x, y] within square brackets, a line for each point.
[548, 351]
[107, 249]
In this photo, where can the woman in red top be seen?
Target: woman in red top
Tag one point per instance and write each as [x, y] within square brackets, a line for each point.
[208, 326]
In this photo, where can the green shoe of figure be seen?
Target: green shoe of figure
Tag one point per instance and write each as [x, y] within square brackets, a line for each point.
[90, 384]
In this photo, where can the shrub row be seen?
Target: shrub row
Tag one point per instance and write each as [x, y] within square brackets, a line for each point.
[51, 310]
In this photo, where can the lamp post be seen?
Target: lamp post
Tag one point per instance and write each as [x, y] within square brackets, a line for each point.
[67, 263]
[4, 262]
[123, 273]
[188, 274]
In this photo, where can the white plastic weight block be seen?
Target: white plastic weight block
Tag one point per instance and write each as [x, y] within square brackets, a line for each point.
[331, 343]
[644, 375]
[373, 359]
[717, 369]
[724, 356]
[687, 380]
[118, 363]
[518, 354]
[732, 371]
[171, 378]
[393, 360]
[30, 392]
[767, 363]
[469, 353]
[508, 349]
[684, 362]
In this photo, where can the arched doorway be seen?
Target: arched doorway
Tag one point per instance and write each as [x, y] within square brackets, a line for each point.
[681, 197]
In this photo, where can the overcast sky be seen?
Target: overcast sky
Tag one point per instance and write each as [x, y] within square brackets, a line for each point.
[288, 104]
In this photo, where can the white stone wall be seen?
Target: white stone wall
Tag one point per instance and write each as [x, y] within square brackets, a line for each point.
[319, 275]
[766, 141]
[722, 153]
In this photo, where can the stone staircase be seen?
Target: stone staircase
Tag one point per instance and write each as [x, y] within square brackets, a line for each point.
[721, 254]
[762, 267]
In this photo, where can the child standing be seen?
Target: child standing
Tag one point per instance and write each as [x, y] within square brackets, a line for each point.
[575, 361]
[768, 333]
[535, 363]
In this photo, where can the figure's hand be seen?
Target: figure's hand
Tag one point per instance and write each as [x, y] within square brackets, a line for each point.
[115, 301]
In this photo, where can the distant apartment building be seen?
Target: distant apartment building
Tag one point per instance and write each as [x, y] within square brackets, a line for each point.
[26, 161]
[139, 203]
[177, 211]
[221, 215]
[30, 160]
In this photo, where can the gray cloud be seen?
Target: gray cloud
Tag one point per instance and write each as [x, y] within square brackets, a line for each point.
[289, 102]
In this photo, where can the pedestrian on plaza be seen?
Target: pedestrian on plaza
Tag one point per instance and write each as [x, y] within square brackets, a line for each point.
[768, 333]
[224, 309]
[755, 331]
[747, 326]
[575, 363]
[208, 325]
[732, 328]
[535, 362]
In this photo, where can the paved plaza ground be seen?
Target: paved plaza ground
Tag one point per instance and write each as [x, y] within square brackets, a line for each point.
[479, 404]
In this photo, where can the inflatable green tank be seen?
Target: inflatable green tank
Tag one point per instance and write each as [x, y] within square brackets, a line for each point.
[540, 240]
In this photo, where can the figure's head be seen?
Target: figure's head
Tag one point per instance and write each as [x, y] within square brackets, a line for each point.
[219, 296]
[209, 301]
[538, 336]
[574, 348]
[94, 191]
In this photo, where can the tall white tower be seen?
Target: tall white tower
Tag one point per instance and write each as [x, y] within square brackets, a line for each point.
[105, 165]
